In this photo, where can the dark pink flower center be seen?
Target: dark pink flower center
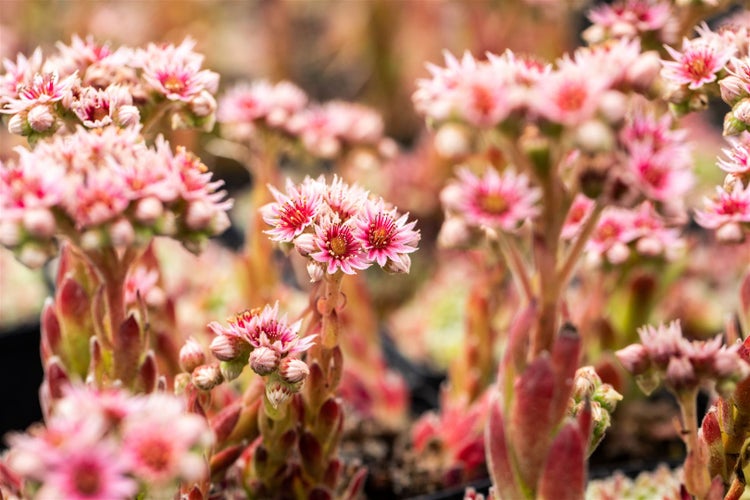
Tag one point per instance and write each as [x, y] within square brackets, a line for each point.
[155, 454]
[87, 480]
[571, 97]
[493, 203]
[295, 214]
[381, 232]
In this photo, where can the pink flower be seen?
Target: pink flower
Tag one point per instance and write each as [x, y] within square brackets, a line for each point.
[292, 212]
[577, 214]
[660, 175]
[175, 71]
[630, 18]
[18, 74]
[45, 88]
[737, 159]
[570, 95]
[96, 471]
[261, 103]
[98, 108]
[611, 236]
[385, 235]
[337, 247]
[495, 201]
[700, 60]
[662, 343]
[344, 200]
[162, 443]
[727, 207]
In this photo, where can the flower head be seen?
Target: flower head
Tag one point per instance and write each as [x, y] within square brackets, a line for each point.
[292, 212]
[699, 61]
[337, 247]
[384, 234]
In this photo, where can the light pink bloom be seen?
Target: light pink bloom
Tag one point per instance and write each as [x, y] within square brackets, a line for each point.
[175, 71]
[98, 108]
[94, 472]
[654, 238]
[293, 211]
[662, 343]
[44, 89]
[631, 17]
[577, 214]
[18, 74]
[727, 207]
[660, 175]
[645, 130]
[385, 235]
[612, 235]
[261, 103]
[495, 201]
[344, 200]
[337, 247]
[570, 95]
[699, 61]
[437, 97]
[737, 159]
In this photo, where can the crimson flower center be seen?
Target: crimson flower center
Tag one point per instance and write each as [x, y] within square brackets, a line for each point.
[697, 67]
[156, 454]
[173, 83]
[87, 480]
[292, 215]
[571, 97]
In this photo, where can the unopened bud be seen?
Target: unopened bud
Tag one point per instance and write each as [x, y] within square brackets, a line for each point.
[741, 110]
[199, 215]
[304, 244]
[643, 72]
[400, 264]
[33, 255]
[10, 233]
[634, 358]
[733, 126]
[91, 239]
[40, 118]
[277, 393]
[613, 106]
[127, 116]
[203, 104]
[206, 377]
[264, 360]
[452, 141]
[18, 125]
[315, 271]
[293, 370]
[148, 210]
[191, 356]
[39, 222]
[230, 370]
[229, 347]
[121, 233]
[454, 233]
[732, 89]
[594, 136]
[730, 233]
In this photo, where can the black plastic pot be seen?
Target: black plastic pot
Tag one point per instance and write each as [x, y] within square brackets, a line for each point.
[20, 378]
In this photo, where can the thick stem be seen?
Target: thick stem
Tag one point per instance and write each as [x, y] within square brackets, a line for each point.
[566, 270]
[697, 480]
[517, 266]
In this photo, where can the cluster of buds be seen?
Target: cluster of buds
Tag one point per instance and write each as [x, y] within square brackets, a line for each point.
[110, 444]
[326, 131]
[92, 85]
[340, 228]
[650, 20]
[266, 342]
[591, 394]
[660, 483]
[683, 365]
[106, 188]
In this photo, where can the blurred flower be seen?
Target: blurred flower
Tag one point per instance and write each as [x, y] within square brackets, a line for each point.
[699, 61]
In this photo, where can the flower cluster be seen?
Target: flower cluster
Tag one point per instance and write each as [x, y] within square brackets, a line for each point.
[629, 19]
[269, 344]
[508, 87]
[89, 84]
[665, 354]
[324, 130]
[588, 389]
[621, 233]
[660, 483]
[109, 444]
[106, 188]
[340, 227]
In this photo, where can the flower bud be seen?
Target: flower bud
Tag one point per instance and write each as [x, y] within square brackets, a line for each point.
[191, 356]
[643, 72]
[18, 125]
[293, 370]
[206, 377]
[741, 110]
[732, 89]
[10, 234]
[39, 222]
[40, 118]
[594, 136]
[127, 116]
[612, 106]
[121, 233]
[33, 255]
[398, 265]
[199, 215]
[304, 244]
[264, 360]
[730, 233]
[315, 271]
[148, 210]
[454, 233]
[203, 104]
[228, 347]
[230, 370]
[680, 373]
[277, 393]
[91, 239]
[732, 126]
[452, 141]
[634, 358]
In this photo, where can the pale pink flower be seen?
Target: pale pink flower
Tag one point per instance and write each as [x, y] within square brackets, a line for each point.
[437, 97]
[727, 207]
[99, 108]
[699, 61]
[631, 18]
[44, 89]
[570, 95]
[18, 74]
[663, 342]
[737, 159]
[261, 103]
[293, 211]
[344, 200]
[654, 238]
[493, 200]
[337, 247]
[578, 213]
[384, 234]
[163, 442]
[645, 130]
[94, 472]
[100, 198]
[660, 175]
[175, 71]
[612, 235]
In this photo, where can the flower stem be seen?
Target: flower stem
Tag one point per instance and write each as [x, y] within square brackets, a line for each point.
[563, 275]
